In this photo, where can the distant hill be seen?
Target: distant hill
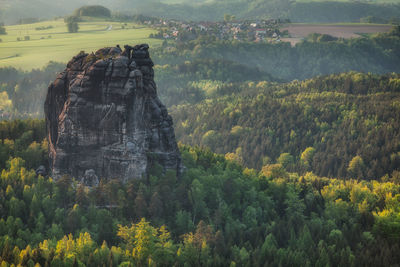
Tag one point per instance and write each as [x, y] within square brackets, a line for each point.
[333, 11]
[93, 11]
[297, 11]
[340, 11]
[12, 11]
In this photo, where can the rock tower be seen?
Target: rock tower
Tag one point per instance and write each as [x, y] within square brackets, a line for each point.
[104, 118]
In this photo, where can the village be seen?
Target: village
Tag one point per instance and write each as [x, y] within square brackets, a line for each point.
[242, 31]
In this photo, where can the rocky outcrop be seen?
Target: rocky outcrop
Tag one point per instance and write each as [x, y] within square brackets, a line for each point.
[104, 118]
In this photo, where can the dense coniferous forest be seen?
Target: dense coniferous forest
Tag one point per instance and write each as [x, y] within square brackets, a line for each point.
[339, 117]
[217, 213]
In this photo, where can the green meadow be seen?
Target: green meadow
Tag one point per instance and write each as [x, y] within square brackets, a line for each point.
[50, 41]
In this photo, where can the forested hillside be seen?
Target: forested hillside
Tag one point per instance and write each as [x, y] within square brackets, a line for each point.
[196, 80]
[217, 213]
[296, 11]
[378, 54]
[326, 124]
[331, 11]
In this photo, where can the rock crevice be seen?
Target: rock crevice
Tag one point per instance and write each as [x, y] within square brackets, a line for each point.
[103, 116]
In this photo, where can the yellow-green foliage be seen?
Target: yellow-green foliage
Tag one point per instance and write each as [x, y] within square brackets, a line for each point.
[208, 86]
[5, 102]
[145, 243]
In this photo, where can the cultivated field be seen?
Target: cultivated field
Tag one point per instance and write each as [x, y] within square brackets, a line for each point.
[56, 44]
[300, 31]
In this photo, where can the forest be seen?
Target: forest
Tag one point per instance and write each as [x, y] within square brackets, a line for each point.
[334, 119]
[218, 213]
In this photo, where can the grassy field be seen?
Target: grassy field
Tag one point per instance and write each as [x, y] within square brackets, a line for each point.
[298, 31]
[348, 30]
[56, 44]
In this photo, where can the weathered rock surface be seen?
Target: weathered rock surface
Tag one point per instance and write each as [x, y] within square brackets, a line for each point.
[104, 118]
[41, 170]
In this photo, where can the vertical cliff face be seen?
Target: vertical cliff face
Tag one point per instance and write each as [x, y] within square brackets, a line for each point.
[104, 118]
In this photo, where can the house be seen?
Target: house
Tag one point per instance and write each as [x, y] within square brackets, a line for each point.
[202, 28]
[260, 31]
[236, 29]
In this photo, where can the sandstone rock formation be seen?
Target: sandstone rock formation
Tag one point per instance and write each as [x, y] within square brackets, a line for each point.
[104, 118]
